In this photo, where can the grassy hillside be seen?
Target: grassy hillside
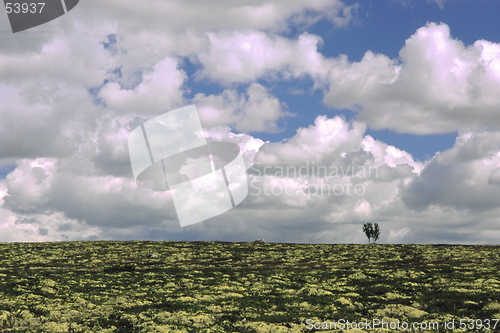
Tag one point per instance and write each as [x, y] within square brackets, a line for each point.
[244, 287]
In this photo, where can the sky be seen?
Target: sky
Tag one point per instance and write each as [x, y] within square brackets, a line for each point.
[397, 100]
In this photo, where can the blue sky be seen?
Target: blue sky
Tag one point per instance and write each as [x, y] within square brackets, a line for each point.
[407, 87]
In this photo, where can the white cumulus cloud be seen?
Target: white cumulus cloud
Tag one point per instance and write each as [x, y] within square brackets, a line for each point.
[438, 85]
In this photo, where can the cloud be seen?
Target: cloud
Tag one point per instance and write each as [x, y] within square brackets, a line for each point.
[438, 85]
[46, 109]
[146, 34]
[249, 145]
[180, 16]
[255, 111]
[161, 88]
[87, 196]
[332, 140]
[241, 57]
[58, 199]
[328, 174]
[70, 100]
[76, 198]
[28, 185]
[42, 186]
[35, 122]
[316, 142]
[396, 236]
[463, 177]
[59, 59]
[440, 3]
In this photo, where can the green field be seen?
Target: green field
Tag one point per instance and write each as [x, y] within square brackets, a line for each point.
[110, 286]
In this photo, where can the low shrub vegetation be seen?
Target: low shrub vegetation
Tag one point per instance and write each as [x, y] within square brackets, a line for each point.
[240, 287]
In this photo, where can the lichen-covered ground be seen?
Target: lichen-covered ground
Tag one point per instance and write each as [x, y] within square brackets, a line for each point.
[244, 287]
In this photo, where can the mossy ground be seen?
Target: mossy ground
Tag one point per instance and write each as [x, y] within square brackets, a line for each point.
[112, 286]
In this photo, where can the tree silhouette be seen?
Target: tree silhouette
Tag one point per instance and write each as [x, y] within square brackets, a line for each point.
[375, 233]
[371, 231]
[368, 230]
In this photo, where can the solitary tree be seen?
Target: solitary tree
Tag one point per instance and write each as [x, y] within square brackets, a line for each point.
[368, 230]
[376, 233]
[371, 231]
